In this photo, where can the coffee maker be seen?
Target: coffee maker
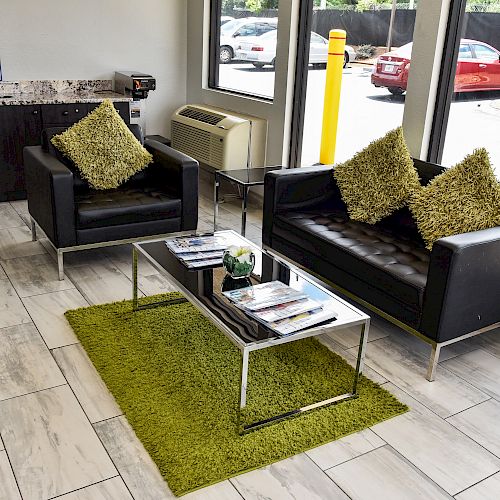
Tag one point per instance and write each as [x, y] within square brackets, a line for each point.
[136, 85]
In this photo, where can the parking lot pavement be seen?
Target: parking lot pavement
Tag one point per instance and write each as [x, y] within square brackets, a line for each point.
[367, 113]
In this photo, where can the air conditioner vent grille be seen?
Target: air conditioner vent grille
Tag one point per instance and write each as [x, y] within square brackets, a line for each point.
[201, 116]
[191, 141]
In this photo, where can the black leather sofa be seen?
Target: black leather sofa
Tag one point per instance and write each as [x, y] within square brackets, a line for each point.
[161, 199]
[441, 296]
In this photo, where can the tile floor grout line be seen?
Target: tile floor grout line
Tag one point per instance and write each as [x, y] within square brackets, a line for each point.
[466, 409]
[479, 444]
[12, 469]
[90, 423]
[83, 487]
[33, 392]
[78, 401]
[352, 458]
[475, 484]
[449, 423]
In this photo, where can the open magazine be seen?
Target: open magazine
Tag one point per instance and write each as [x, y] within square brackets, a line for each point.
[280, 307]
[253, 298]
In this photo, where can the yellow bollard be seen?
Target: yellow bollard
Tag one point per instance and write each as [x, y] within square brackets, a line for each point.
[335, 64]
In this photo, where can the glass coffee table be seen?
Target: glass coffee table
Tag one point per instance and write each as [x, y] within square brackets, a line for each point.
[202, 288]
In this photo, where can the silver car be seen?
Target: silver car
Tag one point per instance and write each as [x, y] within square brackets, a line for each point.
[261, 51]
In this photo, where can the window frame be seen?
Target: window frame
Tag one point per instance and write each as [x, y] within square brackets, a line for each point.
[214, 63]
[446, 85]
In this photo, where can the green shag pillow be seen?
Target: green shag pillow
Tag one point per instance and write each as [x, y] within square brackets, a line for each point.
[103, 148]
[462, 199]
[379, 179]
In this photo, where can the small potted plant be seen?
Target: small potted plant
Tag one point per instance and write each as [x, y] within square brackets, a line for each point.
[239, 261]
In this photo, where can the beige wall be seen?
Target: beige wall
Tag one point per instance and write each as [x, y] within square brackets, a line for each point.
[90, 39]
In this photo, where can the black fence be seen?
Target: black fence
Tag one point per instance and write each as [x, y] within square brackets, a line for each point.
[371, 27]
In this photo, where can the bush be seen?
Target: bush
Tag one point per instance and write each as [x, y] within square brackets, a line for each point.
[365, 51]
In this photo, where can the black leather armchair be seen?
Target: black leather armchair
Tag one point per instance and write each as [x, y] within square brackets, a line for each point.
[441, 296]
[161, 199]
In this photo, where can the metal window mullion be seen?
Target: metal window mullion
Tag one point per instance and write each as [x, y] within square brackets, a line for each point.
[214, 46]
[446, 85]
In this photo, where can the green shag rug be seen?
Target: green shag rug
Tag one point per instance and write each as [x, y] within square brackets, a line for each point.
[176, 379]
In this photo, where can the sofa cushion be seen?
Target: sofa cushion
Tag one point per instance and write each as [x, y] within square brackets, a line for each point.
[103, 148]
[97, 209]
[378, 180]
[383, 259]
[462, 199]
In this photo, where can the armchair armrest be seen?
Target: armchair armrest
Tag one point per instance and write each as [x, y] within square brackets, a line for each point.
[179, 174]
[463, 285]
[51, 202]
[298, 189]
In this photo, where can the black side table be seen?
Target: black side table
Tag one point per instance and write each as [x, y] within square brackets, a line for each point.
[245, 178]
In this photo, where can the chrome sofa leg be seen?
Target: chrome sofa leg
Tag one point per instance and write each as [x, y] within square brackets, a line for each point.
[33, 229]
[433, 362]
[60, 264]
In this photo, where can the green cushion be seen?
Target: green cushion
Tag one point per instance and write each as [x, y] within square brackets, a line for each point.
[462, 199]
[103, 148]
[378, 180]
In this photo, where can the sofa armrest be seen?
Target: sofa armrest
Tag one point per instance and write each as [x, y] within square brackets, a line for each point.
[179, 173]
[298, 189]
[51, 202]
[463, 285]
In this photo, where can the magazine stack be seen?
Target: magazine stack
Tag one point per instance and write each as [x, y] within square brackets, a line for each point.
[279, 307]
[197, 252]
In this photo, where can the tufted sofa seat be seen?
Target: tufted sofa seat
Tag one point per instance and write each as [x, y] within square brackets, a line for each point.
[385, 259]
[442, 296]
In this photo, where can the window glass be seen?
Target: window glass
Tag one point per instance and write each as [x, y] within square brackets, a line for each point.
[243, 60]
[465, 52]
[474, 119]
[374, 78]
[483, 52]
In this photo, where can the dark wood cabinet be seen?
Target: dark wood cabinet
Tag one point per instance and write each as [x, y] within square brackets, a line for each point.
[21, 125]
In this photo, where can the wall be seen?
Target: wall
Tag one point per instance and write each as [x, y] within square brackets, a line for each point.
[74, 39]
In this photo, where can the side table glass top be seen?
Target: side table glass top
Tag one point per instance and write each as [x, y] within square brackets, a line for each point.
[247, 176]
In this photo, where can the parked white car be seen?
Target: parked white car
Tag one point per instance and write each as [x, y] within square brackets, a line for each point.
[232, 31]
[261, 51]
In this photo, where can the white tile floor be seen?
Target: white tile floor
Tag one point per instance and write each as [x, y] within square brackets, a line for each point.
[63, 436]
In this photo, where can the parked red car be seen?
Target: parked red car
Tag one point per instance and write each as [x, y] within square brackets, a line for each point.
[478, 68]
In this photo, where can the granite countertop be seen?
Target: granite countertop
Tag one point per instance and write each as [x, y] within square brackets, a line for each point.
[57, 92]
[63, 98]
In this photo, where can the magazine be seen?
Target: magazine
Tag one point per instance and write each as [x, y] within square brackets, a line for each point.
[194, 264]
[287, 310]
[195, 244]
[302, 321]
[265, 295]
[200, 255]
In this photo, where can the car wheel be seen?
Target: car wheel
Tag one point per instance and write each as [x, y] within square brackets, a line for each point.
[396, 90]
[258, 65]
[346, 59]
[226, 54]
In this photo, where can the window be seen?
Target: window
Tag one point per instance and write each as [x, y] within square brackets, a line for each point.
[373, 82]
[474, 118]
[464, 52]
[485, 53]
[242, 57]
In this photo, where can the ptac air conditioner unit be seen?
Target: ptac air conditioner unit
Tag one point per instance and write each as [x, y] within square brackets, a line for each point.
[218, 138]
